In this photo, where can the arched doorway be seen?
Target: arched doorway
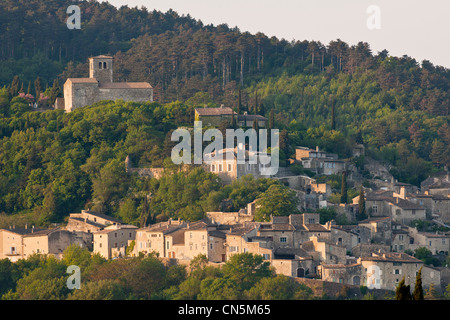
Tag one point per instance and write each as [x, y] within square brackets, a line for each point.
[300, 272]
[356, 280]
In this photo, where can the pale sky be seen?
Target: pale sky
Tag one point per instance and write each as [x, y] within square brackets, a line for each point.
[417, 28]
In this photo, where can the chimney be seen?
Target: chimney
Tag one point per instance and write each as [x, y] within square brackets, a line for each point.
[403, 192]
[26, 226]
[317, 148]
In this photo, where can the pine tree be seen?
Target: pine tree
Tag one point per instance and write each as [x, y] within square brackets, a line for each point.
[418, 290]
[344, 187]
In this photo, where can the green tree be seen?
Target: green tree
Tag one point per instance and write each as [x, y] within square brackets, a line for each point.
[246, 269]
[344, 195]
[278, 200]
[362, 205]
[403, 292]
[418, 290]
[99, 290]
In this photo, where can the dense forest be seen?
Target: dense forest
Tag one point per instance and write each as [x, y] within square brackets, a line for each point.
[328, 95]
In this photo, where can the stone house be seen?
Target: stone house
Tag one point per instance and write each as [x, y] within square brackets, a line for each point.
[52, 242]
[404, 211]
[213, 116]
[440, 187]
[349, 236]
[201, 238]
[437, 243]
[176, 239]
[380, 229]
[20, 243]
[112, 241]
[225, 164]
[367, 249]
[325, 251]
[319, 161]
[11, 242]
[291, 231]
[401, 239]
[386, 270]
[153, 238]
[292, 262]
[247, 120]
[341, 273]
[436, 206]
[80, 92]
[90, 221]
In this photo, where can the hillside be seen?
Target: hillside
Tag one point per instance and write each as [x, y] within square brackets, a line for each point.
[329, 95]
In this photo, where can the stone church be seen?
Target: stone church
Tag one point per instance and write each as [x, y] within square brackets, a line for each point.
[80, 92]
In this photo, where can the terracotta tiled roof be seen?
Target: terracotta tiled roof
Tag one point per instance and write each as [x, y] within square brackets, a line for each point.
[125, 85]
[82, 80]
[392, 257]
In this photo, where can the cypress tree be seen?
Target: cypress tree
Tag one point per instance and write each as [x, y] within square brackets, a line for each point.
[333, 116]
[361, 204]
[344, 187]
[402, 292]
[271, 119]
[418, 290]
[239, 101]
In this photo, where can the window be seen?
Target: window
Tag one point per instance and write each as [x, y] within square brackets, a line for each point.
[104, 65]
[213, 168]
[400, 237]
[398, 212]
[311, 220]
[99, 65]
[283, 239]
[220, 168]
[375, 209]
[397, 271]
[443, 241]
[230, 167]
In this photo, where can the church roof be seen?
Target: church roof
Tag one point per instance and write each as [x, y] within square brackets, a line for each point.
[102, 56]
[125, 85]
[82, 80]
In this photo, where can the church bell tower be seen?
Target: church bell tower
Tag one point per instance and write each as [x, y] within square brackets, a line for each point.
[101, 68]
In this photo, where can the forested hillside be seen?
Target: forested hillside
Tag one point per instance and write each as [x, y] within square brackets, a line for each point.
[329, 95]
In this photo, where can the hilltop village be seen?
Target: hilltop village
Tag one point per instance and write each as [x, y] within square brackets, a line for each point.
[302, 246]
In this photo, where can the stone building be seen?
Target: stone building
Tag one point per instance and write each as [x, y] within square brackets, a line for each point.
[20, 243]
[214, 116]
[80, 92]
[90, 221]
[225, 164]
[113, 240]
[386, 270]
[176, 239]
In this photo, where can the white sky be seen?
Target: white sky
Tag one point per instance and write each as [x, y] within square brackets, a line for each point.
[417, 28]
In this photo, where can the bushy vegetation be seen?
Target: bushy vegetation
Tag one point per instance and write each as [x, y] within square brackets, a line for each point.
[244, 276]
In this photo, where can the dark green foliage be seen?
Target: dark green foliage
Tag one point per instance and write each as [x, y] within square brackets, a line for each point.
[344, 195]
[418, 290]
[403, 292]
